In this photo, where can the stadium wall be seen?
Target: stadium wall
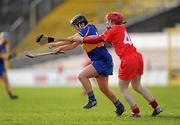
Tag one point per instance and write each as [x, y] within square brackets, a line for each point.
[68, 78]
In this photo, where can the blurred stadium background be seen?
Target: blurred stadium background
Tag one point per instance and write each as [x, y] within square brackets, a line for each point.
[48, 88]
[153, 26]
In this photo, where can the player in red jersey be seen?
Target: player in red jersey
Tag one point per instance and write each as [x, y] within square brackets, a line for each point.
[131, 66]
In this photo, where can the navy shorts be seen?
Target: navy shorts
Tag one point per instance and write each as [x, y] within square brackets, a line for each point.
[101, 61]
[2, 68]
[103, 68]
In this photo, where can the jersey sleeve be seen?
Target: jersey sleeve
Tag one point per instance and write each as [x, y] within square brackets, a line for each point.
[107, 35]
[92, 40]
[104, 37]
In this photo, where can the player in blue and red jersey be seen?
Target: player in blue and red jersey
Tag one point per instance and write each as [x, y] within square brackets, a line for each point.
[131, 66]
[100, 68]
[3, 75]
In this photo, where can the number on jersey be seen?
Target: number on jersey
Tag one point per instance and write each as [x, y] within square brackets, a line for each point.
[127, 39]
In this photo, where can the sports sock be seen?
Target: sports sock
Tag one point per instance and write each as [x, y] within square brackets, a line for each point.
[118, 104]
[91, 96]
[153, 104]
[10, 94]
[135, 109]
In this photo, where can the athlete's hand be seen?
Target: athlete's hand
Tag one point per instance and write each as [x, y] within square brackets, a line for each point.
[51, 45]
[77, 39]
[58, 50]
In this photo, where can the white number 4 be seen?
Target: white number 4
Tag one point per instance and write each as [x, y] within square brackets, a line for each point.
[127, 39]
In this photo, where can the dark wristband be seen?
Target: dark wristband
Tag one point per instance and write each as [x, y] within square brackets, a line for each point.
[50, 39]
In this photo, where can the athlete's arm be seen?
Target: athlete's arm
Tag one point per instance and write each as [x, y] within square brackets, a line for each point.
[92, 40]
[66, 47]
[89, 40]
[61, 43]
[104, 37]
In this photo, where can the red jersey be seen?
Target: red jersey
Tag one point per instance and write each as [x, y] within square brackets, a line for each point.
[118, 37]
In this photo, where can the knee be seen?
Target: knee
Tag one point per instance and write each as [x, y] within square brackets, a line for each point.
[81, 76]
[123, 89]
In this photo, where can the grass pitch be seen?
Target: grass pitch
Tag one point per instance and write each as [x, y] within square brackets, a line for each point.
[63, 106]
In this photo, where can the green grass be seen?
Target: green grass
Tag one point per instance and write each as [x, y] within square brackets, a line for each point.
[63, 106]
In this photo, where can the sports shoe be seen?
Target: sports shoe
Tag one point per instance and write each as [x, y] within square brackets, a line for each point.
[13, 97]
[90, 104]
[156, 111]
[119, 111]
[135, 115]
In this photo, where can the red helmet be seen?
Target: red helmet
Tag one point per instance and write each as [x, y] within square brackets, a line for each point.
[115, 17]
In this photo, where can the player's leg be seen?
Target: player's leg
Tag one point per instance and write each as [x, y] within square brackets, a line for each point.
[85, 74]
[123, 84]
[7, 86]
[136, 84]
[126, 71]
[104, 87]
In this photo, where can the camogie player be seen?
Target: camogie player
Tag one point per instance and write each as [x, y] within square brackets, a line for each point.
[131, 66]
[3, 74]
[100, 68]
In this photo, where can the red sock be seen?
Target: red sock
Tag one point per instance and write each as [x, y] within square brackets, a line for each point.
[153, 104]
[135, 109]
